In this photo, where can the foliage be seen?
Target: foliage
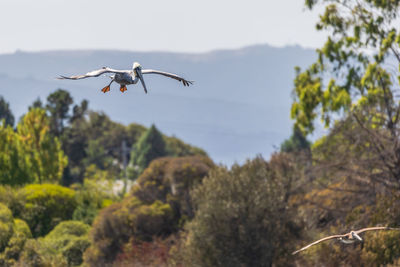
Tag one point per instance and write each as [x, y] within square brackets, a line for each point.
[242, 217]
[58, 104]
[117, 223]
[150, 146]
[44, 206]
[69, 240]
[33, 255]
[177, 148]
[30, 154]
[170, 180]
[96, 155]
[21, 233]
[92, 196]
[6, 226]
[142, 253]
[14, 163]
[13, 235]
[36, 104]
[296, 142]
[5, 113]
[353, 67]
[109, 232]
[44, 157]
[95, 139]
[63, 246]
[355, 168]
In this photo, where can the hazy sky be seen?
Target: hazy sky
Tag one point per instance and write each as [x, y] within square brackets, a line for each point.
[146, 25]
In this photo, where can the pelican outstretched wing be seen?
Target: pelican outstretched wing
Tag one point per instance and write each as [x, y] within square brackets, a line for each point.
[94, 73]
[319, 241]
[375, 228]
[171, 75]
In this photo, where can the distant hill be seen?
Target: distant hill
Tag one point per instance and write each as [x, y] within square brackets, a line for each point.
[238, 107]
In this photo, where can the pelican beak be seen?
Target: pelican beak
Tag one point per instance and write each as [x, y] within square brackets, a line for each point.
[357, 237]
[139, 73]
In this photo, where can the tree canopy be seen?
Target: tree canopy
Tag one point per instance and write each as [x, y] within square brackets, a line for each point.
[5, 112]
[357, 66]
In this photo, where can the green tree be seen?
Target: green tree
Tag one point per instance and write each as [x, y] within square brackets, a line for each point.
[79, 112]
[296, 142]
[46, 160]
[150, 145]
[354, 67]
[14, 161]
[243, 216]
[36, 104]
[58, 104]
[5, 112]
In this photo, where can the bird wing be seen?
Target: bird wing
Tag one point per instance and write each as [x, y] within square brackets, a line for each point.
[374, 229]
[94, 73]
[171, 75]
[319, 241]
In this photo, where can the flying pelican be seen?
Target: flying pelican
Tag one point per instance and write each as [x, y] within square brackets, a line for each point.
[126, 77]
[349, 238]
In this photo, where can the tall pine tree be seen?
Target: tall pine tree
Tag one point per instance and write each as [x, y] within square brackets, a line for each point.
[150, 145]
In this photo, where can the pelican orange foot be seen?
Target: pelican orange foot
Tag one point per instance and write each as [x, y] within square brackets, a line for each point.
[106, 89]
[123, 88]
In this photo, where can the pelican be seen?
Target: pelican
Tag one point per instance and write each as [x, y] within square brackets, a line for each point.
[349, 238]
[126, 77]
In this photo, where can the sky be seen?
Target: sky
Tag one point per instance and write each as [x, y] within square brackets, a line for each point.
[157, 25]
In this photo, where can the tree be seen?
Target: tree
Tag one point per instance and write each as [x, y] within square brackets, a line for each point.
[243, 216]
[5, 113]
[150, 146]
[36, 104]
[58, 104]
[357, 66]
[79, 112]
[296, 142]
[46, 160]
[14, 161]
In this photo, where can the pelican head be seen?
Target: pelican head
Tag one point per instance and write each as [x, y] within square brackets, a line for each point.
[354, 235]
[136, 65]
[137, 69]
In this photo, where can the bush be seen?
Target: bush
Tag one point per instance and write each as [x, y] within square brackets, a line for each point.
[13, 234]
[170, 180]
[120, 222]
[92, 196]
[63, 246]
[21, 233]
[44, 206]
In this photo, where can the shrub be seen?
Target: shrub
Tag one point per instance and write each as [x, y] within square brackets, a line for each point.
[21, 233]
[6, 226]
[44, 206]
[170, 180]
